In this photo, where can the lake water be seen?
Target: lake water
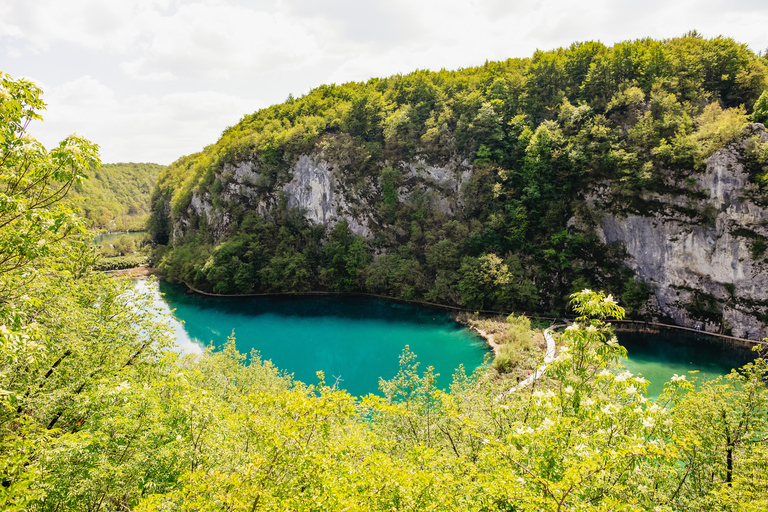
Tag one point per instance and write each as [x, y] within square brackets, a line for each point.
[658, 356]
[352, 338]
[359, 339]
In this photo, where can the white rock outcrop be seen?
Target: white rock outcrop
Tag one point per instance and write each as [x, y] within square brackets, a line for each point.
[678, 255]
[314, 190]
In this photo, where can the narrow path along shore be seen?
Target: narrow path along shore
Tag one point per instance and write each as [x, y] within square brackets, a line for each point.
[549, 356]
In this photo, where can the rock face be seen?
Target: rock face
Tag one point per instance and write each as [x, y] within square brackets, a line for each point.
[314, 190]
[710, 261]
[313, 185]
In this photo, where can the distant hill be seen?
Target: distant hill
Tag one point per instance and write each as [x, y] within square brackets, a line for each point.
[118, 195]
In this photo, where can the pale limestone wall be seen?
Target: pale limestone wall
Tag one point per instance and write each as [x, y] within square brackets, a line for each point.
[674, 253]
[315, 189]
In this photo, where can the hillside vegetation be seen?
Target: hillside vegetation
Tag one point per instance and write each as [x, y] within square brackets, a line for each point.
[522, 142]
[116, 196]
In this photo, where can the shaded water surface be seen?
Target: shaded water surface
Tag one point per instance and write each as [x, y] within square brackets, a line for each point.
[355, 339]
[658, 356]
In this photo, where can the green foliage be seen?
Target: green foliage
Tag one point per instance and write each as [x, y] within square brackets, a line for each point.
[704, 307]
[120, 262]
[116, 197]
[760, 109]
[516, 345]
[34, 181]
[758, 247]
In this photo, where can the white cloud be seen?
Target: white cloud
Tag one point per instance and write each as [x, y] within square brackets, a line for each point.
[141, 127]
[219, 42]
[156, 79]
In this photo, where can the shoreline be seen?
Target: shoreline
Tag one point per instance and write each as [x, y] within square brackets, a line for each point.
[622, 325]
[495, 347]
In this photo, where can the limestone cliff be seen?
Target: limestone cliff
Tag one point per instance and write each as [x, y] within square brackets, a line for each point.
[704, 257]
[318, 189]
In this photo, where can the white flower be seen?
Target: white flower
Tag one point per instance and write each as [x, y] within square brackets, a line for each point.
[640, 380]
[638, 410]
[623, 376]
[677, 378]
[608, 409]
[123, 386]
[568, 389]
[178, 437]
[604, 373]
[648, 422]
[609, 300]
[642, 488]
[546, 424]
[523, 430]
[589, 402]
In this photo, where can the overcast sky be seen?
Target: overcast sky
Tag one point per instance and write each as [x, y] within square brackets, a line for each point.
[152, 80]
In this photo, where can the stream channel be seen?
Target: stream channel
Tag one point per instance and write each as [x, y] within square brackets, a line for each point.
[358, 339]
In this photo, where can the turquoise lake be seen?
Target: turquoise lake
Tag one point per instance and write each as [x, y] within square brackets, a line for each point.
[358, 339]
[659, 356]
[350, 338]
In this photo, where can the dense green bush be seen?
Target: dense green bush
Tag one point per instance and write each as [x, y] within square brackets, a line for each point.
[120, 262]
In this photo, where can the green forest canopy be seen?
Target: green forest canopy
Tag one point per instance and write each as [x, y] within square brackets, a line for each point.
[539, 132]
[116, 196]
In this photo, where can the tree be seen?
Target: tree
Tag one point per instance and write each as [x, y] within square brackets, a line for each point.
[33, 181]
[760, 110]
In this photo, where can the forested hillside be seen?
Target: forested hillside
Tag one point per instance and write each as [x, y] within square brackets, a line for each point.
[474, 187]
[116, 196]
